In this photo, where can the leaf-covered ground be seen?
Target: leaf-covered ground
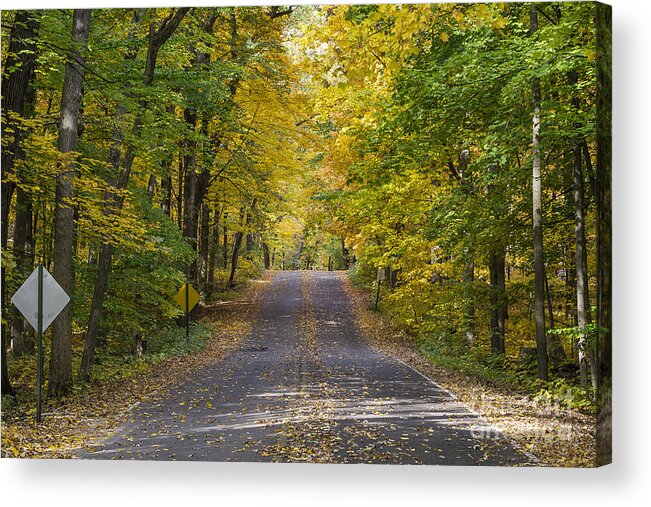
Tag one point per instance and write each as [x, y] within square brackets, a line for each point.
[305, 386]
[556, 436]
[93, 413]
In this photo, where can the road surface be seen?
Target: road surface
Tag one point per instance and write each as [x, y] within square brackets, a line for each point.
[305, 386]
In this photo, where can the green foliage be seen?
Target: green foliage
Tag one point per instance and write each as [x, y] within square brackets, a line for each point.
[143, 281]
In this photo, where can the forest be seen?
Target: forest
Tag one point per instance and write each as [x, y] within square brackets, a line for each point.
[454, 159]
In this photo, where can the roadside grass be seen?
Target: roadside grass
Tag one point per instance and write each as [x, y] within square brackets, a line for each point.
[508, 372]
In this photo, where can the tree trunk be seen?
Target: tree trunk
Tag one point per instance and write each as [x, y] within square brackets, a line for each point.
[604, 233]
[60, 379]
[237, 243]
[166, 174]
[582, 294]
[555, 348]
[265, 252]
[23, 256]
[225, 250]
[204, 234]
[214, 249]
[345, 255]
[179, 193]
[190, 212]
[122, 167]
[539, 261]
[166, 201]
[503, 308]
[16, 81]
[470, 321]
[497, 301]
[18, 74]
[299, 253]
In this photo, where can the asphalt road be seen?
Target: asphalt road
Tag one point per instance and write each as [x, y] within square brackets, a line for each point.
[305, 386]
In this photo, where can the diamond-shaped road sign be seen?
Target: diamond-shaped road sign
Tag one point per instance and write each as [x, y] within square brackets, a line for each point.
[54, 299]
[192, 299]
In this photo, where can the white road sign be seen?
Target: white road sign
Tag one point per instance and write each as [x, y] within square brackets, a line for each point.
[54, 299]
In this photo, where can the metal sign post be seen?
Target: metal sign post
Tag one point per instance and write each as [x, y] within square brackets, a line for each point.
[187, 298]
[39, 333]
[187, 313]
[40, 299]
[380, 277]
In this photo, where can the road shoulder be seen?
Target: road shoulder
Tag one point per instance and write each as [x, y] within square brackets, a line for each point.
[94, 413]
[556, 436]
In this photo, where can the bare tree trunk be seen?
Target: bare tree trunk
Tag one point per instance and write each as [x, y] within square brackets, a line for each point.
[190, 213]
[345, 254]
[497, 301]
[555, 348]
[539, 261]
[503, 308]
[179, 194]
[470, 320]
[250, 244]
[225, 250]
[237, 244]
[604, 233]
[17, 76]
[23, 250]
[299, 253]
[204, 234]
[582, 294]
[23, 256]
[214, 248]
[265, 251]
[166, 201]
[16, 81]
[166, 170]
[60, 379]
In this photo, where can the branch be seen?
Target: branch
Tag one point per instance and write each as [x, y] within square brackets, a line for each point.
[169, 24]
[275, 13]
[541, 11]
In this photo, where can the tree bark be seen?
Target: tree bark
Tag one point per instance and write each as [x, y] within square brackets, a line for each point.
[18, 74]
[190, 212]
[581, 268]
[16, 81]
[539, 261]
[214, 249]
[225, 250]
[60, 379]
[265, 252]
[204, 248]
[344, 254]
[23, 256]
[554, 346]
[166, 201]
[237, 244]
[179, 193]
[470, 320]
[497, 300]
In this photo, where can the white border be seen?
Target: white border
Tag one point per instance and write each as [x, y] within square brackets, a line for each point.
[95, 483]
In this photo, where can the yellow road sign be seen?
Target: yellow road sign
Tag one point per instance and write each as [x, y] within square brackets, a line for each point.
[192, 299]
